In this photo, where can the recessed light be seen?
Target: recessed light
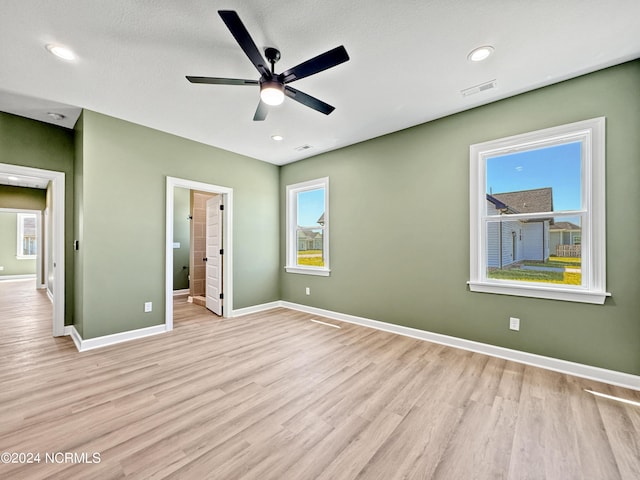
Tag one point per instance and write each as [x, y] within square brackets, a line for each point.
[277, 138]
[56, 116]
[480, 53]
[61, 51]
[13, 179]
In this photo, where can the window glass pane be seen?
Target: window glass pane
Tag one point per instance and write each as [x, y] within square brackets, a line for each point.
[28, 235]
[310, 250]
[538, 180]
[311, 208]
[536, 250]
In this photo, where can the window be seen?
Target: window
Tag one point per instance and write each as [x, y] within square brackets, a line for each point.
[27, 247]
[308, 227]
[538, 216]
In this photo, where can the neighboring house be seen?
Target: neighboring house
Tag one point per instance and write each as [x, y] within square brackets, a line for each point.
[309, 239]
[563, 235]
[512, 241]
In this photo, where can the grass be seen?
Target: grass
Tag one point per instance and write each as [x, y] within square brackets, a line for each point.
[564, 278]
[559, 262]
[310, 258]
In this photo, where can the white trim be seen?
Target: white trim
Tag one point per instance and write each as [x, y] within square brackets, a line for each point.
[40, 262]
[70, 330]
[184, 291]
[6, 278]
[227, 242]
[591, 134]
[20, 217]
[540, 291]
[57, 235]
[321, 272]
[291, 227]
[107, 340]
[611, 377]
[256, 308]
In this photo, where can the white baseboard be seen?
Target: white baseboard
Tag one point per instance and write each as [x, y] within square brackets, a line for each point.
[9, 278]
[612, 377]
[256, 308]
[106, 340]
[184, 291]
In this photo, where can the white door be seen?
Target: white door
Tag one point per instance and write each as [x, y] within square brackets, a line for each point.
[214, 255]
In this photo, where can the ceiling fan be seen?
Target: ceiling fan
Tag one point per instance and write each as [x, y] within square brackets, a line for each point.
[274, 87]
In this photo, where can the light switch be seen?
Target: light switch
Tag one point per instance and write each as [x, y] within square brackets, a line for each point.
[176, 244]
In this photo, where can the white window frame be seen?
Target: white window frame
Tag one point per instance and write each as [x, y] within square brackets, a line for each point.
[20, 235]
[593, 289]
[292, 222]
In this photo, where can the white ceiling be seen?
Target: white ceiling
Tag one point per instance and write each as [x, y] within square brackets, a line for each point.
[408, 62]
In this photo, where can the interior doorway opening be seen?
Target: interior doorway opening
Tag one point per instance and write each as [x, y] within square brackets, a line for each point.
[198, 248]
[54, 230]
[207, 277]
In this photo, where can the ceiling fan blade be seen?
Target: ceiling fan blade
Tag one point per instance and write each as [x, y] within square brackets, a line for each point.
[317, 64]
[308, 100]
[261, 112]
[222, 81]
[240, 33]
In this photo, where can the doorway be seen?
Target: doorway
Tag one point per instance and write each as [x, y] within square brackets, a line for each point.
[56, 257]
[224, 196]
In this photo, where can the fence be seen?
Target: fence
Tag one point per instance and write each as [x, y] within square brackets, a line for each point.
[568, 251]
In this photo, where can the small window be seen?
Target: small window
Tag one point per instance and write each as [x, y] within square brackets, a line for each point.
[537, 214]
[27, 246]
[308, 227]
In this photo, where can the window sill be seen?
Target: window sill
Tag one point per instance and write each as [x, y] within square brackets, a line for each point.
[563, 294]
[322, 272]
[26, 257]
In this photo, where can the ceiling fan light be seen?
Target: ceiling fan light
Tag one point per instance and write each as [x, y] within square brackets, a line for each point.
[272, 93]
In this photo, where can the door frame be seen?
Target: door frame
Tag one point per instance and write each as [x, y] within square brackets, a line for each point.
[57, 236]
[227, 242]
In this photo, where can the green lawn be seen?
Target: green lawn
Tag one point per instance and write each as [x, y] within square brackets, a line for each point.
[565, 278]
[312, 258]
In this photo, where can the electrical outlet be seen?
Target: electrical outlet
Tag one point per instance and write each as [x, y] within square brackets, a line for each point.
[514, 323]
[1, 268]
[147, 307]
[307, 291]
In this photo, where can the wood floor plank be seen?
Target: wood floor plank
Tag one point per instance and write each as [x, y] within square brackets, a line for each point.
[274, 395]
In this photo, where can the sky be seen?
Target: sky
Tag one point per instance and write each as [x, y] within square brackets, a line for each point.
[558, 167]
[310, 207]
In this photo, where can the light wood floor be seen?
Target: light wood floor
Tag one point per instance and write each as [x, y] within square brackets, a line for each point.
[276, 396]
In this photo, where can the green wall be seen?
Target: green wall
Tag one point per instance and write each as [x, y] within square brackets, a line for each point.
[78, 227]
[124, 170]
[22, 197]
[9, 247]
[399, 240]
[40, 145]
[181, 235]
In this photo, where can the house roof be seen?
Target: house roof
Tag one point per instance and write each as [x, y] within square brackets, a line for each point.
[526, 201]
[565, 226]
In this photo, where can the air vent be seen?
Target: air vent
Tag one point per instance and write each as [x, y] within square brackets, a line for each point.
[302, 148]
[479, 88]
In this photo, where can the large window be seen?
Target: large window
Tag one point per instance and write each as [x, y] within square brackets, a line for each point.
[308, 227]
[538, 214]
[27, 247]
